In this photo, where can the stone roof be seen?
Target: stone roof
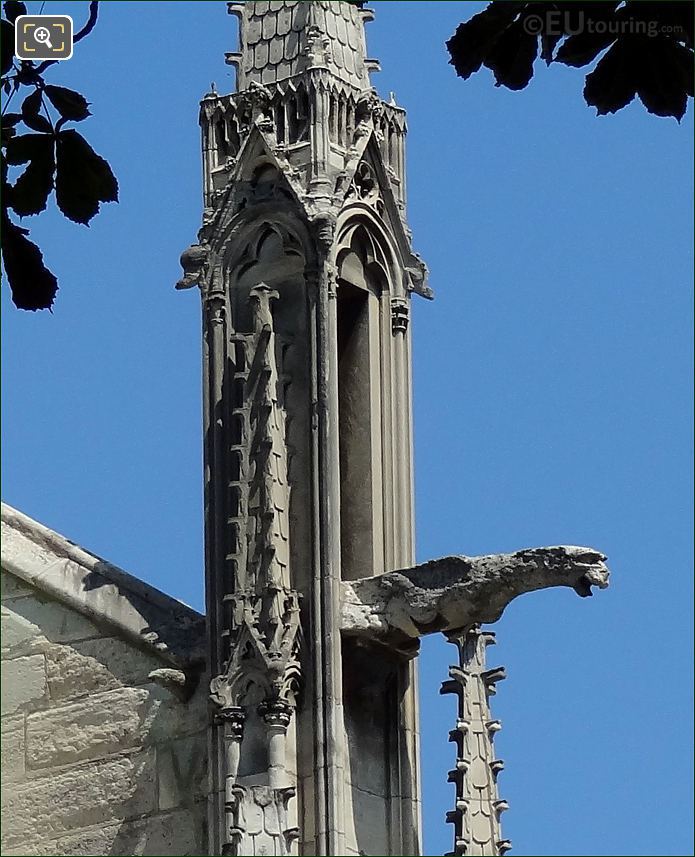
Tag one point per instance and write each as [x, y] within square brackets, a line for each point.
[101, 591]
[279, 39]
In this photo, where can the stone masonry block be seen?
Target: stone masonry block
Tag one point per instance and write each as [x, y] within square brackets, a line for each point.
[96, 665]
[12, 586]
[23, 684]
[12, 749]
[17, 633]
[108, 723]
[56, 621]
[84, 796]
[100, 725]
[173, 833]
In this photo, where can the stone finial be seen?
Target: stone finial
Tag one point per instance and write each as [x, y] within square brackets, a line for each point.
[477, 806]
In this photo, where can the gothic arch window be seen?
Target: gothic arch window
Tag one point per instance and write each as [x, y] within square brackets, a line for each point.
[361, 283]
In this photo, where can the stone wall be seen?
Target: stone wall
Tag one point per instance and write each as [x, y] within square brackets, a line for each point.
[101, 754]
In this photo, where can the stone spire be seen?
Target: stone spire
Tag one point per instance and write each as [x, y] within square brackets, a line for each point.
[306, 274]
[477, 807]
[281, 39]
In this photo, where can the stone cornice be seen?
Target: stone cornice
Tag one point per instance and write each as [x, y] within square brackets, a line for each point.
[101, 591]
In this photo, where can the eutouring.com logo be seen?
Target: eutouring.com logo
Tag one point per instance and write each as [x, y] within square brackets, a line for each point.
[569, 23]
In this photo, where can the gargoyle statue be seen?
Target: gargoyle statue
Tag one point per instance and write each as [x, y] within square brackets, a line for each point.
[457, 592]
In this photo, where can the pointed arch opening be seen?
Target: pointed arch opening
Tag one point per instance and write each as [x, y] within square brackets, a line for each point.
[361, 282]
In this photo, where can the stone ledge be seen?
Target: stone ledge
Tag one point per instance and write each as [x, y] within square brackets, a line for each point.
[100, 591]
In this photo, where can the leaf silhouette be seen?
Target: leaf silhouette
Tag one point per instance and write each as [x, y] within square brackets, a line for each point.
[7, 42]
[650, 48]
[38, 123]
[31, 190]
[611, 85]
[31, 116]
[54, 159]
[31, 104]
[512, 56]
[32, 285]
[83, 178]
[70, 104]
[473, 40]
[9, 120]
[664, 91]
[24, 148]
[13, 10]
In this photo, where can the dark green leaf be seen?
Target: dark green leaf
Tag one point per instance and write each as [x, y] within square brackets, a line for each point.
[70, 104]
[25, 148]
[31, 190]
[83, 178]
[7, 43]
[33, 286]
[13, 9]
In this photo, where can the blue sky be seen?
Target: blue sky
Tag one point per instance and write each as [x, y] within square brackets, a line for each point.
[552, 392]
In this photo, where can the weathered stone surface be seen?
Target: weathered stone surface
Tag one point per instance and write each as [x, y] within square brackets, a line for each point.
[167, 716]
[95, 665]
[93, 707]
[107, 723]
[12, 587]
[101, 725]
[56, 621]
[370, 832]
[12, 749]
[18, 634]
[173, 833]
[181, 771]
[23, 684]
[83, 796]
[458, 591]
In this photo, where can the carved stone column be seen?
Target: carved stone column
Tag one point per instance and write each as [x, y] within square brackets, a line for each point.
[476, 816]
[232, 719]
[277, 715]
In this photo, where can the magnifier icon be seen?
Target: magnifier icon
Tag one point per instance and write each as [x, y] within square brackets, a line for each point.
[43, 37]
